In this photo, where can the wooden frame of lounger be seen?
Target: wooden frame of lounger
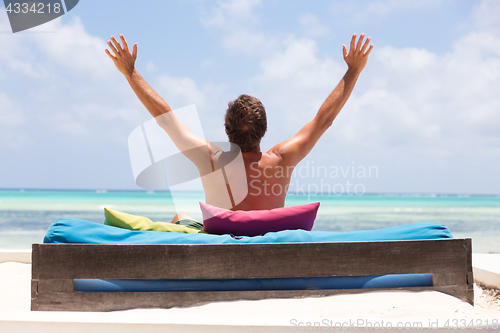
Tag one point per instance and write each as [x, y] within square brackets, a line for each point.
[55, 266]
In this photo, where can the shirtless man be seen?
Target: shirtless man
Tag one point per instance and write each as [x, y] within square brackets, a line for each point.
[268, 173]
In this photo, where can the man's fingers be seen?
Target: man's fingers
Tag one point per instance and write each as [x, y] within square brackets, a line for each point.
[369, 50]
[134, 52]
[118, 46]
[112, 47]
[353, 43]
[110, 55]
[344, 50]
[125, 45]
[365, 45]
[358, 47]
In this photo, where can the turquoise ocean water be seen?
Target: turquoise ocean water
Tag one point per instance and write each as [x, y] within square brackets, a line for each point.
[25, 215]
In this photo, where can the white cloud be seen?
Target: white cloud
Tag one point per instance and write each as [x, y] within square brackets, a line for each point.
[312, 25]
[406, 60]
[292, 85]
[12, 117]
[12, 139]
[75, 89]
[381, 118]
[439, 104]
[486, 16]
[66, 46]
[11, 114]
[436, 104]
[238, 26]
[210, 100]
[151, 67]
[298, 57]
[69, 83]
[232, 11]
[73, 48]
[181, 91]
[296, 82]
[15, 54]
[68, 124]
[449, 102]
[354, 13]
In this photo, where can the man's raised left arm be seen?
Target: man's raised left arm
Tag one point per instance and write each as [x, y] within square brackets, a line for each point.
[293, 150]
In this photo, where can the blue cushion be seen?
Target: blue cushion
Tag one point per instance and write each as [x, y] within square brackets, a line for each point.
[70, 230]
[304, 283]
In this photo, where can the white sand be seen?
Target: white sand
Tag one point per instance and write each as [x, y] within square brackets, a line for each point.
[486, 269]
[15, 286]
[386, 304]
[428, 309]
[15, 296]
[487, 298]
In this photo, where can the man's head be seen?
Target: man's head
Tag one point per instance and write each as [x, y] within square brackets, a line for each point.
[246, 122]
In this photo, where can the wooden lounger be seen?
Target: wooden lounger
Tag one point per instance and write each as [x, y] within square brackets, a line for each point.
[55, 266]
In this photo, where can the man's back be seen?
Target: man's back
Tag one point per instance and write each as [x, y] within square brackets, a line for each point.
[267, 181]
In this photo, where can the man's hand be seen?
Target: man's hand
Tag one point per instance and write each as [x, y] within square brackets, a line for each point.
[124, 60]
[357, 57]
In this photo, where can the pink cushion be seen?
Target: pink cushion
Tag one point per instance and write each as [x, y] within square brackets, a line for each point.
[257, 222]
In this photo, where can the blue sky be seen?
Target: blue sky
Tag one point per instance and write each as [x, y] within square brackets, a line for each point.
[425, 111]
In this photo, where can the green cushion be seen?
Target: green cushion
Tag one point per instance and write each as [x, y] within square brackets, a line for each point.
[134, 222]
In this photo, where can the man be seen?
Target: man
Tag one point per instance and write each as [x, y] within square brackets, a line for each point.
[266, 174]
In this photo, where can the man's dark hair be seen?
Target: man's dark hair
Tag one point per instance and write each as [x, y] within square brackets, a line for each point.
[246, 122]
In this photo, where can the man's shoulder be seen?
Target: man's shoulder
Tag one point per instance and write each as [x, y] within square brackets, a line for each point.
[270, 158]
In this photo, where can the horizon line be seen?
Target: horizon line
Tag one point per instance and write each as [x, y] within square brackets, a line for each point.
[388, 193]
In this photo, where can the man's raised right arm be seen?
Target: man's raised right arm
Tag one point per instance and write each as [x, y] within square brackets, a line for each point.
[293, 150]
[196, 149]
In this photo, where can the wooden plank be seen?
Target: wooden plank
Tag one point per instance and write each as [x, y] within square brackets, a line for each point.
[449, 260]
[34, 261]
[34, 295]
[79, 301]
[449, 278]
[34, 277]
[71, 261]
[470, 295]
[469, 271]
[468, 250]
[51, 285]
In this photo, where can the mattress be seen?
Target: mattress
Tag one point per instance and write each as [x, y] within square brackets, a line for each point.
[69, 230]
